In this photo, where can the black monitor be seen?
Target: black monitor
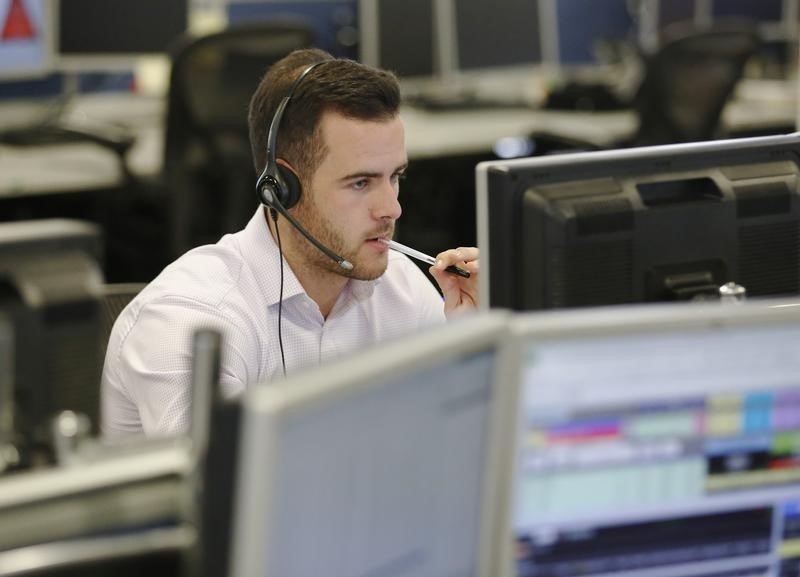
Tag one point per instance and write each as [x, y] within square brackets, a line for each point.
[100, 34]
[673, 11]
[497, 33]
[50, 282]
[705, 12]
[581, 28]
[759, 10]
[399, 36]
[335, 22]
[639, 225]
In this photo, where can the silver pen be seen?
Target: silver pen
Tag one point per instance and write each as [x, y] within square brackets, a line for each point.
[408, 251]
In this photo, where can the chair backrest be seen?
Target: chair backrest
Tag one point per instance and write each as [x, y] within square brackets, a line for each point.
[115, 297]
[208, 164]
[688, 82]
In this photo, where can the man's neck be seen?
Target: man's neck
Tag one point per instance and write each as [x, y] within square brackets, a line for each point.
[323, 286]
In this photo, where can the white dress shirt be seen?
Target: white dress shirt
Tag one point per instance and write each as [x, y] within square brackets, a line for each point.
[233, 286]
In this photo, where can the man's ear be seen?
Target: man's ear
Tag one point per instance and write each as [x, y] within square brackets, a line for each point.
[291, 182]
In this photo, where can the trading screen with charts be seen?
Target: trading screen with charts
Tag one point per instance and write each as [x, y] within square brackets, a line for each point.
[674, 454]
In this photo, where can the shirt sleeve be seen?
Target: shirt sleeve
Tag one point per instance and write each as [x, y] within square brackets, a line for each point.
[147, 377]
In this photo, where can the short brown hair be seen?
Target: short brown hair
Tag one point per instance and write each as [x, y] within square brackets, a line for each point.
[344, 86]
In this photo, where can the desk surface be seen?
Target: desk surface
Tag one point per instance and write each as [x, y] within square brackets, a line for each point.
[74, 167]
[35, 170]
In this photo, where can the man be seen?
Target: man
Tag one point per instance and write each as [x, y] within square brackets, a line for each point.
[342, 137]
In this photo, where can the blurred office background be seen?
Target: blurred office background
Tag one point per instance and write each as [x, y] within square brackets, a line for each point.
[133, 115]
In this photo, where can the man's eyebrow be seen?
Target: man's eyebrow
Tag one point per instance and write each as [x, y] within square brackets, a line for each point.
[365, 174]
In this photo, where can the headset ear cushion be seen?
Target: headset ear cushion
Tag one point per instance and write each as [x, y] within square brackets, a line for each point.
[292, 186]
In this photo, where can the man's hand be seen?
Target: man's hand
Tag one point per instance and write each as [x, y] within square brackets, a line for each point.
[460, 294]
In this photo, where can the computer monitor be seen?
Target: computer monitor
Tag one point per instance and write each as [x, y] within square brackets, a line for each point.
[497, 33]
[50, 284]
[758, 10]
[658, 441]
[641, 224]
[675, 11]
[582, 27]
[102, 35]
[706, 12]
[335, 22]
[26, 39]
[401, 37]
[382, 463]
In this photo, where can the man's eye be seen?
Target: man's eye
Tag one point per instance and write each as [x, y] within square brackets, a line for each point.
[360, 184]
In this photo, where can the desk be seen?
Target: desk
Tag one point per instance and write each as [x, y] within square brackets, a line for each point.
[25, 171]
[62, 168]
[431, 134]
[56, 169]
[763, 105]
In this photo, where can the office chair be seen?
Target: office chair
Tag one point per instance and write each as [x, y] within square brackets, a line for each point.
[114, 298]
[688, 81]
[208, 167]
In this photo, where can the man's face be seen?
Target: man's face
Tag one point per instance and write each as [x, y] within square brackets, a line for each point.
[353, 196]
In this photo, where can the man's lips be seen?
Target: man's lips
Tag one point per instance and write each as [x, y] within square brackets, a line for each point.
[379, 237]
[377, 243]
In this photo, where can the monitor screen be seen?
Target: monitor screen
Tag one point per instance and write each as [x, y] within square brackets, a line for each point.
[584, 25]
[399, 36]
[640, 225]
[335, 22]
[673, 11]
[26, 44]
[759, 10]
[497, 33]
[380, 464]
[99, 34]
[669, 449]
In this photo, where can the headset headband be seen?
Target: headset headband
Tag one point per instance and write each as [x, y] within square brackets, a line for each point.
[272, 136]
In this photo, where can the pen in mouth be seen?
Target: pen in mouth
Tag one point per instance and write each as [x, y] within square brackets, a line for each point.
[421, 256]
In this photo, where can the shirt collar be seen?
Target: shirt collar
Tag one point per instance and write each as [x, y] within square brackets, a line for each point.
[261, 255]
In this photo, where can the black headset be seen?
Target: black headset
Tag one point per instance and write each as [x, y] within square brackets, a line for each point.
[279, 182]
[279, 187]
